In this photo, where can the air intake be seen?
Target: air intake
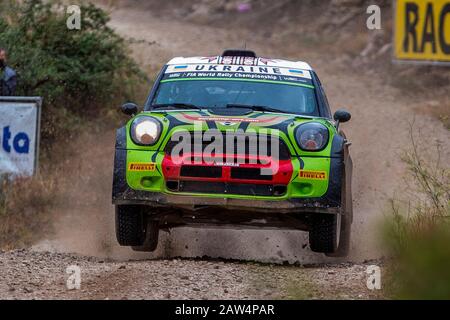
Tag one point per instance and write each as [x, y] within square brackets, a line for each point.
[239, 53]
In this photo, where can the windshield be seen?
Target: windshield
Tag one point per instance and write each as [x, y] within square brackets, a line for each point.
[211, 90]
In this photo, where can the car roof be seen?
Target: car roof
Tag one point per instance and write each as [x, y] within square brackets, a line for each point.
[241, 60]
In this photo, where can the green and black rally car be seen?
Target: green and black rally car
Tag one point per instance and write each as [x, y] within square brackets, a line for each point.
[238, 141]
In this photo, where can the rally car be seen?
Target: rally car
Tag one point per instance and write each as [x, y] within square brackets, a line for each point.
[234, 140]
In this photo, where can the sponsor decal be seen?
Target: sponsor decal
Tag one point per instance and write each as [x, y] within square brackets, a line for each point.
[230, 121]
[266, 60]
[20, 141]
[422, 30]
[233, 71]
[139, 166]
[238, 60]
[249, 73]
[312, 175]
[227, 164]
[248, 61]
[211, 59]
[296, 71]
[19, 135]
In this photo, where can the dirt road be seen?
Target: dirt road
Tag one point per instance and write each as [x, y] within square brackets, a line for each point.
[378, 130]
[35, 275]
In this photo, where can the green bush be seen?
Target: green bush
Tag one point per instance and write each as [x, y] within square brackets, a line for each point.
[78, 72]
[417, 232]
[82, 75]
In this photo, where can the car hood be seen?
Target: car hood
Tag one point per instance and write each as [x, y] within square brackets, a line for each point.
[231, 119]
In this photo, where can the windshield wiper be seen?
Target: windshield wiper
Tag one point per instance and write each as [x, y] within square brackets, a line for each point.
[175, 105]
[255, 107]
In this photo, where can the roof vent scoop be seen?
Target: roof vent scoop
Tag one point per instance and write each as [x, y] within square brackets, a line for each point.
[238, 53]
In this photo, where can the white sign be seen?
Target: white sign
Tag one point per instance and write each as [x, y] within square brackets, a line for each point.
[19, 135]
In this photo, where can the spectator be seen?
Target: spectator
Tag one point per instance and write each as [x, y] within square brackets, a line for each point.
[8, 77]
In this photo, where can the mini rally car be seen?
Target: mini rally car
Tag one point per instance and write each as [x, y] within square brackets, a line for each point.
[238, 141]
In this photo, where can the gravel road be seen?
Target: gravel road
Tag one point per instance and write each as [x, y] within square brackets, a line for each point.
[28, 274]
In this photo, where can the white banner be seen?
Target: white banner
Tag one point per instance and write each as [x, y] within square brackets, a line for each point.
[19, 135]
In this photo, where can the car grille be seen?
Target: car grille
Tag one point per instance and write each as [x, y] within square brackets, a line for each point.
[226, 188]
[244, 145]
[200, 171]
[249, 174]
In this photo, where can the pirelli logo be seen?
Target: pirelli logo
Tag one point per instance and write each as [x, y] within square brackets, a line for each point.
[141, 166]
[313, 175]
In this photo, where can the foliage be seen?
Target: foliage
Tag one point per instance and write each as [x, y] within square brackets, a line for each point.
[78, 72]
[21, 224]
[82, 75]
[417, 232]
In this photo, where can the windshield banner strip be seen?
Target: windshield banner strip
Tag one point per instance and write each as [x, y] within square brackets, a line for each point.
[232, 69]
[291, 83]
[238, 72]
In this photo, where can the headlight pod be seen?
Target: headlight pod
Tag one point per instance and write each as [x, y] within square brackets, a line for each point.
[145, 130]
[312, 136]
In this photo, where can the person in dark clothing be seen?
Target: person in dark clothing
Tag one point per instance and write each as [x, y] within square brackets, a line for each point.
[8, 77]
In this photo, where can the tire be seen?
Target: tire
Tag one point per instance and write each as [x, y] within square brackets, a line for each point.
[130, 227]
[346, 224]
[331, 234]
[325, 232]
[151, 238]
[344, 240]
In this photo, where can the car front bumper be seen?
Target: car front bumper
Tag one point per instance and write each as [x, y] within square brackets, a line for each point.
[128, 191]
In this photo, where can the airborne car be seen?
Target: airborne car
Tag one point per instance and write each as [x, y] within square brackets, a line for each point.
[237, 141]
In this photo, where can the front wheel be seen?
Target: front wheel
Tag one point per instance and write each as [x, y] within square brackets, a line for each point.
[331, 233]
[135, 229]
[325, 233]
[151, 237]
[344, 238]
[130, 225]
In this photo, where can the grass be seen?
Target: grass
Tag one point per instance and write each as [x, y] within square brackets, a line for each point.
[25, 210]
[29, 206]
[442, 112]
[417, 230]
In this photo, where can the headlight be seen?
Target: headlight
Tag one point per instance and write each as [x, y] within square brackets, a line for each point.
[145, 130]
[312, 136]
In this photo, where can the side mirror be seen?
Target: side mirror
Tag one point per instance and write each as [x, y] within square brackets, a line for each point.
[342, 115]
[129, 108]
